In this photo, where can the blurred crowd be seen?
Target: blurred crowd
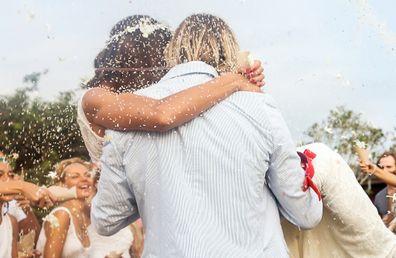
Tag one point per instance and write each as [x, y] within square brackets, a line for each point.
[67, 228]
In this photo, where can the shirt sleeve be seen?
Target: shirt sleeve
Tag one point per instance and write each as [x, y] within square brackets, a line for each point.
[285, 177]
[114, 206]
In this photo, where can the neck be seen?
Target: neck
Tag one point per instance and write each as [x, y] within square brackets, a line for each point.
[78, 204]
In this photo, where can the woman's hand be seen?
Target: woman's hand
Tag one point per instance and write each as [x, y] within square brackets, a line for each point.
[369, 168]
[39, 195]
[243, 84]
[255, 73]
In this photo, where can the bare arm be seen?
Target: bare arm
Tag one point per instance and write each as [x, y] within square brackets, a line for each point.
[56, 235]
[30, 223]
[14, 223]
[373, 169]
[29, 190]
[128, 111]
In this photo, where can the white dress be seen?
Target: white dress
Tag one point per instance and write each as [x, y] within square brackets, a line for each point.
[5, 236]
[351, 226]
[93, 142]
[16, 211]
[73, 247]
[119, 243]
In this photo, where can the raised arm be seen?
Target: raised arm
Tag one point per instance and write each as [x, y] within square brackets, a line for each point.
[128, 111]
[373, 169]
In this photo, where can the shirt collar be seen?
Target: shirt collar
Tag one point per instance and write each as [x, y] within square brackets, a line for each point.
[194, 67]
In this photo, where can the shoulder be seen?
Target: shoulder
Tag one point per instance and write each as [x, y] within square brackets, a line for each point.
[262, 107]
[60, 215]
[381, 194]
[254, 101]
[95, 98]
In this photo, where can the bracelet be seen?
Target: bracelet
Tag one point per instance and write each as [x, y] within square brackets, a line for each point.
[373, 172]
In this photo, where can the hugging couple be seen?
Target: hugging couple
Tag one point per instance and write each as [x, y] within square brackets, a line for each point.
[202, 155]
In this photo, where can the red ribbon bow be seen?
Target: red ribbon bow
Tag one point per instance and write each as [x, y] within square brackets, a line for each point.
[306, 164]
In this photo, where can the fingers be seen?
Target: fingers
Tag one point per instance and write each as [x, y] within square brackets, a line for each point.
[256, 64]
[24, 203]
[6, 198]
[46, 198]
[256, 76]
[256, 79]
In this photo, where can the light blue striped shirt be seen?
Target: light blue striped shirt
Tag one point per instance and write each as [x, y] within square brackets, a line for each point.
[209, 188]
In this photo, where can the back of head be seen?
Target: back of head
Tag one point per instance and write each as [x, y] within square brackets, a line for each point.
[134, 55]
[207, 38]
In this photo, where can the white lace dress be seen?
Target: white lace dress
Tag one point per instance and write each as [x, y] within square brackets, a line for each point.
[93, 142]
[5, 236]
[73, 247]
[351, 226]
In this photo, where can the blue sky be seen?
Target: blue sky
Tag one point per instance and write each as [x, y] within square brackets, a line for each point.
[317, 54]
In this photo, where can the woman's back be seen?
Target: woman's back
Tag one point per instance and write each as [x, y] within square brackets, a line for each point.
[93, 142]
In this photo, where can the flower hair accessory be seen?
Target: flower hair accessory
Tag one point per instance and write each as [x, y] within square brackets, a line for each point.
[138, 69]
[145, 26]
[10, 159]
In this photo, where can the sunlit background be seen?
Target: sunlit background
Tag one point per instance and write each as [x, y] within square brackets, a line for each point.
[317, 54]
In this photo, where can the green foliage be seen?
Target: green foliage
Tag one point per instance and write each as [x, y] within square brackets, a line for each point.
[341, 130]
[41, 132]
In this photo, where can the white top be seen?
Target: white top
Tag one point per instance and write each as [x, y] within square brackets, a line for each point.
[5, 236]
[351, 226]
[102, 246]
[16, 211]
[72, 248]
[93, 142]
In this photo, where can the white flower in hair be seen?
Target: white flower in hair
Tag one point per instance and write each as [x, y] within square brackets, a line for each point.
[145, 26]
[52, 175]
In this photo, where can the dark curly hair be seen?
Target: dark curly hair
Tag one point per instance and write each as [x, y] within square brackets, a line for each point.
[130, 46]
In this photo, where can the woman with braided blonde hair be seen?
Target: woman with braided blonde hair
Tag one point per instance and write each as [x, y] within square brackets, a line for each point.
[209, 38]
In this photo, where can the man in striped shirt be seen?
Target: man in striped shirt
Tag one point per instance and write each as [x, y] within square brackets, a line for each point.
[214, 186]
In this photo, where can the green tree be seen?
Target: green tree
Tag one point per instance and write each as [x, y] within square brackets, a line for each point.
[41, 132]
[342, 129]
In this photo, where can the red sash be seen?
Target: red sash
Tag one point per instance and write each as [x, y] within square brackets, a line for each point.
[306, 164]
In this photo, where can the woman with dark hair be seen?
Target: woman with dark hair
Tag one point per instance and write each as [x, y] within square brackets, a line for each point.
[9, 190]
[132, 59]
